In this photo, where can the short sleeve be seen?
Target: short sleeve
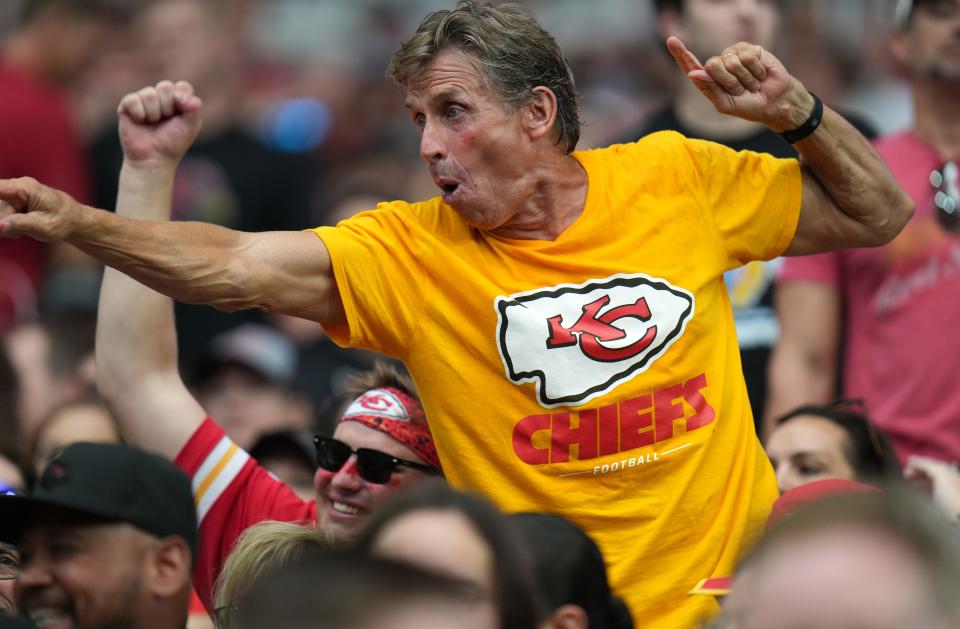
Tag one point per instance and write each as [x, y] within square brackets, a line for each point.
[822, 268]
[754, 199]
[231, 493]
[376, 263]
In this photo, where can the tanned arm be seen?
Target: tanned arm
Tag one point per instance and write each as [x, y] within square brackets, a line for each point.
[850, 199]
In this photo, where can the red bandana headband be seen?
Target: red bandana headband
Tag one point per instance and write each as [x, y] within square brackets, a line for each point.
[398, 415]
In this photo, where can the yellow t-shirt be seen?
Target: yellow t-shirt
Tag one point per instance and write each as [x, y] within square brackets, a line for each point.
[597, 375]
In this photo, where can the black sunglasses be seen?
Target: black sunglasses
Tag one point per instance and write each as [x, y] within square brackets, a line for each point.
[374, 466]
[946, 199]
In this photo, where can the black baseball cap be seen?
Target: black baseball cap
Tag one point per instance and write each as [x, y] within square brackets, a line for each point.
[116, 483]
[570, 569]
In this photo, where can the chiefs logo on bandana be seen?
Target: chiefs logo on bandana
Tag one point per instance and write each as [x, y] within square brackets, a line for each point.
[378, 403]
[580, 341]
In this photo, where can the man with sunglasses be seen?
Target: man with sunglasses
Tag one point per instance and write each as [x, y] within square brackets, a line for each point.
[899, 304]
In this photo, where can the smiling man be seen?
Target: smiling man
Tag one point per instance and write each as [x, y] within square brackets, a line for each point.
[106, 540]
[578, 296]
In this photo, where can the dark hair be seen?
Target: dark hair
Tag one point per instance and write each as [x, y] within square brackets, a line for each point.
[516, 594]
[661, 5]
[344, 590]
[571, 569]
[513, 51]
[868, 451]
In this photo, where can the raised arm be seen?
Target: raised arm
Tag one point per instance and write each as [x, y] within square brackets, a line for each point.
[803, 365]
[136, 348]
[283, 272]
[850, 199]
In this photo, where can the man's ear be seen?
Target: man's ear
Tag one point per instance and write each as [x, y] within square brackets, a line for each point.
[898, 46]
[670, 24]
[569, 617]
[541, 113]
[168, 567]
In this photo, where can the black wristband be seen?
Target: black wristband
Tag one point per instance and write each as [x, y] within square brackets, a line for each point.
[808, 127]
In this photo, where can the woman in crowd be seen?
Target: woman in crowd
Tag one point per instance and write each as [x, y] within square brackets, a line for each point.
[836, 440]
[462, 536]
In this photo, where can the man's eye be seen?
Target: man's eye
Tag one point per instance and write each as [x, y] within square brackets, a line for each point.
[453, 112]
[420, 120]
[810, 470]
[9, 560]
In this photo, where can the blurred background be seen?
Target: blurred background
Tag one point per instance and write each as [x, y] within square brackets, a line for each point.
[302, 129]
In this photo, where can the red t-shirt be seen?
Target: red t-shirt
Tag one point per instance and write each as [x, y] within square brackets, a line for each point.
[902, 314]
[231, 493]
[37, 139]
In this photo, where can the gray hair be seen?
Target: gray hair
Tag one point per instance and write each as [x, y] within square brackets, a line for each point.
[513, 51]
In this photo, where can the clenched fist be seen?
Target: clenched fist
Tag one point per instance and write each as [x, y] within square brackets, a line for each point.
[159, 123]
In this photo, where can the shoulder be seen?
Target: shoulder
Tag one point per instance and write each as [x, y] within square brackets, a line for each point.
[650, 149]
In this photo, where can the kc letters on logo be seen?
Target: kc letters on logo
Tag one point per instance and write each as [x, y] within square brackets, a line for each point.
[579, 341]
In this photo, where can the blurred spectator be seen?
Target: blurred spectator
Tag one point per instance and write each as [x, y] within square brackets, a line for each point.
[261, 550]
[106, 540]
[245, 381]
[53, 359]
[9, 401]
[289, 455]
[833, 441]
[323, 367]
[228, 177]
[86, 420]
[571, 574]
[347, 591]
[707, 26]
[894, 301]
[462, 536]
[937, 479]
[54, 42]
[14, 474]
[873, 559]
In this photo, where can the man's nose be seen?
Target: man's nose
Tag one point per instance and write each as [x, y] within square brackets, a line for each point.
[348, 476]
[431, 146]
[33, 574]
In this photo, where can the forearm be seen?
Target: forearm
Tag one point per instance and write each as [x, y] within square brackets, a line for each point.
[796, 378]
[136, 349]
[135, 332]
[191, 262]
[857, 181]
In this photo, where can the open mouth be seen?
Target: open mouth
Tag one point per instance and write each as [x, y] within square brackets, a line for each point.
[345, 509]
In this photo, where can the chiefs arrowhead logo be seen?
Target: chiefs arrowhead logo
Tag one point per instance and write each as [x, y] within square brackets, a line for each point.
[378, 403]
[578, 342]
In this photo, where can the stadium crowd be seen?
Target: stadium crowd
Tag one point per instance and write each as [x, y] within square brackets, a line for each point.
[668, 346]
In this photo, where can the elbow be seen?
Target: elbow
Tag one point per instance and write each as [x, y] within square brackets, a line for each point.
[901, 211]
